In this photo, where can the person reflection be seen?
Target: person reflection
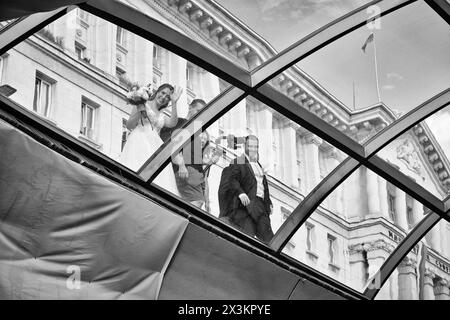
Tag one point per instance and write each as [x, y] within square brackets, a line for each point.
[189, 166]
[244, 197]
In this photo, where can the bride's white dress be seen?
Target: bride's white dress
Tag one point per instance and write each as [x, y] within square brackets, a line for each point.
[141, 143]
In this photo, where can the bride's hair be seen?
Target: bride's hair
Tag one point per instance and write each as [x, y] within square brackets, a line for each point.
[160, 88]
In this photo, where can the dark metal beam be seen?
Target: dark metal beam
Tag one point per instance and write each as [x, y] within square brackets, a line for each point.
[27, 26]
[442, 7]
[394, 130]
[302, 212]
[155, 31]
[320, 38]
[399, 253]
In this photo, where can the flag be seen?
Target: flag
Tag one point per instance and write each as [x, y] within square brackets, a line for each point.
[369, 40]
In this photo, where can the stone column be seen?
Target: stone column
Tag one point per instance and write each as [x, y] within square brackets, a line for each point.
[376, 259]
[400, 209]
[66, 27]
[433, 238]
[142, 60]
[289, 155]
[208, 89]
[373, 195]
[335, 198]
[417, 212]
[407, 281]
[312, 143]
[428, 285]
[175, 67]
[393, 282]
[442, 290]
[382, 191]
[105, 46]
[264, 128]
[443, 237]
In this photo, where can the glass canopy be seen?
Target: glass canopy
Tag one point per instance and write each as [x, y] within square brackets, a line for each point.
[329, 196]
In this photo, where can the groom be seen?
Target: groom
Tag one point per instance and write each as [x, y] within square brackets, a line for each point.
[245, 194]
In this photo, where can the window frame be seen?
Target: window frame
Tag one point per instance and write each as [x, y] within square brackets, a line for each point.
[43, 79]
[89, 104]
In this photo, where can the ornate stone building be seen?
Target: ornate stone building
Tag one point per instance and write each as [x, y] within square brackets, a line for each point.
[74, 74]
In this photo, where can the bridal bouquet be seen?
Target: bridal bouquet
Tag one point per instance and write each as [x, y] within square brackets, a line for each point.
[138, 95]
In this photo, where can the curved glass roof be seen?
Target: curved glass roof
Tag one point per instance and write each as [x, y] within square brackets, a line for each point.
[349, 176]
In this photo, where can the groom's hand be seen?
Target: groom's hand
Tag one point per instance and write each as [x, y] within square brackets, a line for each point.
[244, 199]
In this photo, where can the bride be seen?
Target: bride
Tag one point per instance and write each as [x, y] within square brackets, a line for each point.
[145, 122]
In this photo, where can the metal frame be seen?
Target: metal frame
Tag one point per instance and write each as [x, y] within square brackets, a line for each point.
[253, 83]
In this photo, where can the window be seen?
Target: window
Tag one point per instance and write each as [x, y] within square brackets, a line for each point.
[409, 217]
[391, 207]
[156, 57]
[332, 248]
[189, 77]
[125, 133]
[88, 119]
[42, 101]
[120, 36]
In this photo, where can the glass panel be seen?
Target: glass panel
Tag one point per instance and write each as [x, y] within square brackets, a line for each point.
[293, 159]
[212, 26]
[78, 63]
[282, 23]
[341, 81]
[422, 153]
[424, 274]
[354, 228]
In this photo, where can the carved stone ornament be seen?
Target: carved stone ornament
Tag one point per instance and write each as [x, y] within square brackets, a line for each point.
[408, 154]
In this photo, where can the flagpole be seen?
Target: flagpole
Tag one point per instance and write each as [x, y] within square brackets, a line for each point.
[376, 66]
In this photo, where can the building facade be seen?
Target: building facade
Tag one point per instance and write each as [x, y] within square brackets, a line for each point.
[75, 74]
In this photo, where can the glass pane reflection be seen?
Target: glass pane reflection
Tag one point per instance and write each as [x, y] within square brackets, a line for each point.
[358, 225]
[76, 72]
[345, 85]
[292, 159]
[422, 153]
[424, 274]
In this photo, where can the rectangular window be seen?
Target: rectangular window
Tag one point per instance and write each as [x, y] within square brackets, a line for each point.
[332, 248]
[42, 101]
[88, 119]
[120, 36]
[156, 56]
[391, 207]
[409, 217]
[125, 133]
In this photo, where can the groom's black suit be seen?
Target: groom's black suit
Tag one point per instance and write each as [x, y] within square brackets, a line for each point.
[254, 219]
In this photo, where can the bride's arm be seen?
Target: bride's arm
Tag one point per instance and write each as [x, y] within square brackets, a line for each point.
[173, 119]
[134, 118]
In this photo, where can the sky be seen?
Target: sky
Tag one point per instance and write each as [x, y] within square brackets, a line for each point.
[412, 44]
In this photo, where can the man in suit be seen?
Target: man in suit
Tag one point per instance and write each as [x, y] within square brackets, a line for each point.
[244, 198]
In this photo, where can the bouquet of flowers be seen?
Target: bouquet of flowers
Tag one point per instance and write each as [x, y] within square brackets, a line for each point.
[138, 96]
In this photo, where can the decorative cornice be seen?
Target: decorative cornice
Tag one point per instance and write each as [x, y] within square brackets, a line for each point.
[311, 138]
[434, 155]
[371, 246]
